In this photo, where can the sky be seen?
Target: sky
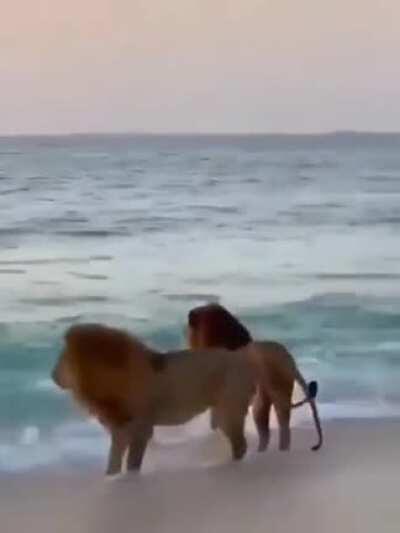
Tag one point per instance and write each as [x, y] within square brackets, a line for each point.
[199, 66]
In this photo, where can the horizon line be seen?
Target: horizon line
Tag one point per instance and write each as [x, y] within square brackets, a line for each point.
[123, 133]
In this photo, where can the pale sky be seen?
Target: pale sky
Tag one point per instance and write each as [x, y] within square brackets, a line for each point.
[199, 65]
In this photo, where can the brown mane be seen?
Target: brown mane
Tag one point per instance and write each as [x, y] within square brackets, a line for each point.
[217, 327]
[95, 356]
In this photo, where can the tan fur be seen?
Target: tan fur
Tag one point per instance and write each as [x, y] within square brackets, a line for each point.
[131, 388]
[212, 326]
[277, 373]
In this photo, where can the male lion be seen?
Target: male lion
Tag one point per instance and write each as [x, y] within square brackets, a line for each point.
[131, 388]
[213, 326]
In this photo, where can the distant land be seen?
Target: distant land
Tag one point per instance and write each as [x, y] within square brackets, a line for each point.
[347, 139]
[335, 133]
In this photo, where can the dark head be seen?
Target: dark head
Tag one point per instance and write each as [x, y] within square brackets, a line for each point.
[213, 326]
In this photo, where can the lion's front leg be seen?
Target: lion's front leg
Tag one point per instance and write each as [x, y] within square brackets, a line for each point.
[119, 444]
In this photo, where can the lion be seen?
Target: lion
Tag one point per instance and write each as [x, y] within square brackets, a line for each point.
[213, 326]
[131, 388]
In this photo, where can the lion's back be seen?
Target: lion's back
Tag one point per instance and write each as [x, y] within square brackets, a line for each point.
[193, 381]
[273, 361]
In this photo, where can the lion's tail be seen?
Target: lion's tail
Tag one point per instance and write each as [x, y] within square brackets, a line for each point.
[310, 392]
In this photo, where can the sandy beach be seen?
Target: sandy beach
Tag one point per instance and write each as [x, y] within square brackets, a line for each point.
[351, 485]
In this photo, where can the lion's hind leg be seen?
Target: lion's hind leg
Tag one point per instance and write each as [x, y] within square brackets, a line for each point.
[140, 435]
[261, 414]
[282, 405]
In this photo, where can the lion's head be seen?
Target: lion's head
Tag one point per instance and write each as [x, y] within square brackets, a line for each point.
[213, 326]
[106, 370]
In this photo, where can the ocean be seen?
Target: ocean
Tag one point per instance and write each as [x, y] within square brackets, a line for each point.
[298, 235]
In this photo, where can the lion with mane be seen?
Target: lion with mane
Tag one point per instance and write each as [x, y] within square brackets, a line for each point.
[213, 326]
[131, 388]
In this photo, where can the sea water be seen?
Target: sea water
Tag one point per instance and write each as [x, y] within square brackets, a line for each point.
[298, 235]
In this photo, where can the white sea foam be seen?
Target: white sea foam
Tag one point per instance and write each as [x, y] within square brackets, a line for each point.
[188, 446]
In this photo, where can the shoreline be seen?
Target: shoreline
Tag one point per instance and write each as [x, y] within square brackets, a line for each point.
[350, 485]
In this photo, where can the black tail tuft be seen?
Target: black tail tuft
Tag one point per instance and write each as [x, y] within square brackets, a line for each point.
[312, 389]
